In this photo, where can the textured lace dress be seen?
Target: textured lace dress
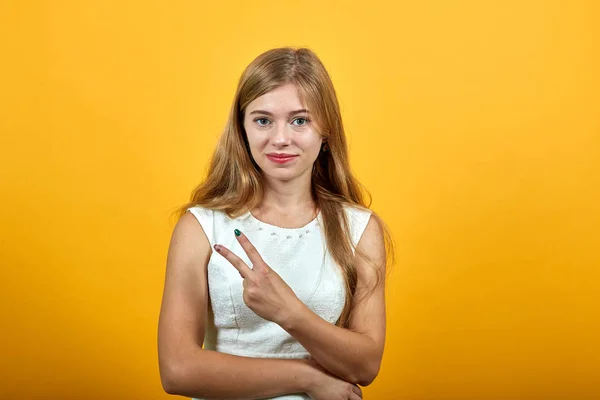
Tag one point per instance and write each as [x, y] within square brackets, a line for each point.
[298, 255]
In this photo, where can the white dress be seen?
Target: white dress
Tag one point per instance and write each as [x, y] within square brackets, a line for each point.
[298, 255]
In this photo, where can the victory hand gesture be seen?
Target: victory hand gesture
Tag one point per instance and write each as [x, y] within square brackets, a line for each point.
[265, 292]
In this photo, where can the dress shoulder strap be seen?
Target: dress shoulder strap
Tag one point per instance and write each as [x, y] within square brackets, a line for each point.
[206, 218]
[358, 218]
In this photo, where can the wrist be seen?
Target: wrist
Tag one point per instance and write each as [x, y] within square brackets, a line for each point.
[293, 316]
[309, 376]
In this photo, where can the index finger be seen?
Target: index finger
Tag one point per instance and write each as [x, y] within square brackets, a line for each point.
[249, 248]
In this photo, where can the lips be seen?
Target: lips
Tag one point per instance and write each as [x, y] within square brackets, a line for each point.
[281, 158]
[281, 155]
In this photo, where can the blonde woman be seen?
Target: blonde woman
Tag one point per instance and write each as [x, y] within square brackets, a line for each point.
[276, 268]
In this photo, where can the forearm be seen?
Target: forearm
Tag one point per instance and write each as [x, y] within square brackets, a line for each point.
[350, 355]
[210, 374]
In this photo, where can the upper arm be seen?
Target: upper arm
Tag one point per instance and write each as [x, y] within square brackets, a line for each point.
[368, 316]
[182, 317]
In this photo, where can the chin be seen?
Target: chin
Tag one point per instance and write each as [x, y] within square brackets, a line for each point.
[280, 174]
[286, 176]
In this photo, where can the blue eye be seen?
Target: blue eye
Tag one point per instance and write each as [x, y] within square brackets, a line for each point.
[260, 119]
[303, 119]
[303, 123]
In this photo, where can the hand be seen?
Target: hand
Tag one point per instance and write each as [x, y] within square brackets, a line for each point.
[265, 292]
[325, 386]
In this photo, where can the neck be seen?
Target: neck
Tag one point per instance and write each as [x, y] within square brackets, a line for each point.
[288, 196]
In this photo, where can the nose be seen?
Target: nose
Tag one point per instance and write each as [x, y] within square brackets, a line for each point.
[282, 135]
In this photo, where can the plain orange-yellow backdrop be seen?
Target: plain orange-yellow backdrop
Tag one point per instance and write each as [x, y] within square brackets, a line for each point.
[475, 125]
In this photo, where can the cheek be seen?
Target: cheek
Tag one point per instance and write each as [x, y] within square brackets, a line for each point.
[255, 137]
[311, 144]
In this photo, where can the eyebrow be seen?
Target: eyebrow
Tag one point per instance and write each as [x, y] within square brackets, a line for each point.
[270, 113]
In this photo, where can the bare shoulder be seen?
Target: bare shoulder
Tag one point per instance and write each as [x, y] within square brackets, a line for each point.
[372, 241]
[188, 237]
[368, 225]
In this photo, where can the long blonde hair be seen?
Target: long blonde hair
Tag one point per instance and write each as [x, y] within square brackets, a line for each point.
[234, 182]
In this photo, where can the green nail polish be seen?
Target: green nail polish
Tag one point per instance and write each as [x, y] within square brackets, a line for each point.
[237, 232]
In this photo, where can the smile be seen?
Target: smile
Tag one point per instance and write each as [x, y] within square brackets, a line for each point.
[280, 159]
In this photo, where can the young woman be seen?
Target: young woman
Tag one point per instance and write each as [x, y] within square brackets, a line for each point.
[276, 266]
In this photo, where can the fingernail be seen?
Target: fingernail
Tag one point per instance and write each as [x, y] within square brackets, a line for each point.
[237, 232]
[217, 248]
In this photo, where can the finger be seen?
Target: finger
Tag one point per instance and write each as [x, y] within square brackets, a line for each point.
[249, 248]
[237, 262]
[354, 396]
[357, 390]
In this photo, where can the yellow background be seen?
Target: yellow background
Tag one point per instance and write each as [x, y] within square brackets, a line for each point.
[475, 124]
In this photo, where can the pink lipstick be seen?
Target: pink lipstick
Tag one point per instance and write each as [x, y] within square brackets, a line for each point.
[281, 158]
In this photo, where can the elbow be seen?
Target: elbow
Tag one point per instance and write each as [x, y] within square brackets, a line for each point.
[168, 381]
[171, 378]
[176, 373]
[368, 375]
[365, 381]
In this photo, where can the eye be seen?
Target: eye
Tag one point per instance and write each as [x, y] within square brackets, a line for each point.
[305, 121]
[260, 119]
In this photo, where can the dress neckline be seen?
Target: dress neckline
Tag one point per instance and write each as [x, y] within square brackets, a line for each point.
[265, 225]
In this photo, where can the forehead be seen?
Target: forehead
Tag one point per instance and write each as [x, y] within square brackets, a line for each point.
[280, 100]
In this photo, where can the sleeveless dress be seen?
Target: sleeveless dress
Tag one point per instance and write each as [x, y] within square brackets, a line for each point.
[298, 255]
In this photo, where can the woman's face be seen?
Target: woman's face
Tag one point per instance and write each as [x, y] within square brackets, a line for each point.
[283, 137]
